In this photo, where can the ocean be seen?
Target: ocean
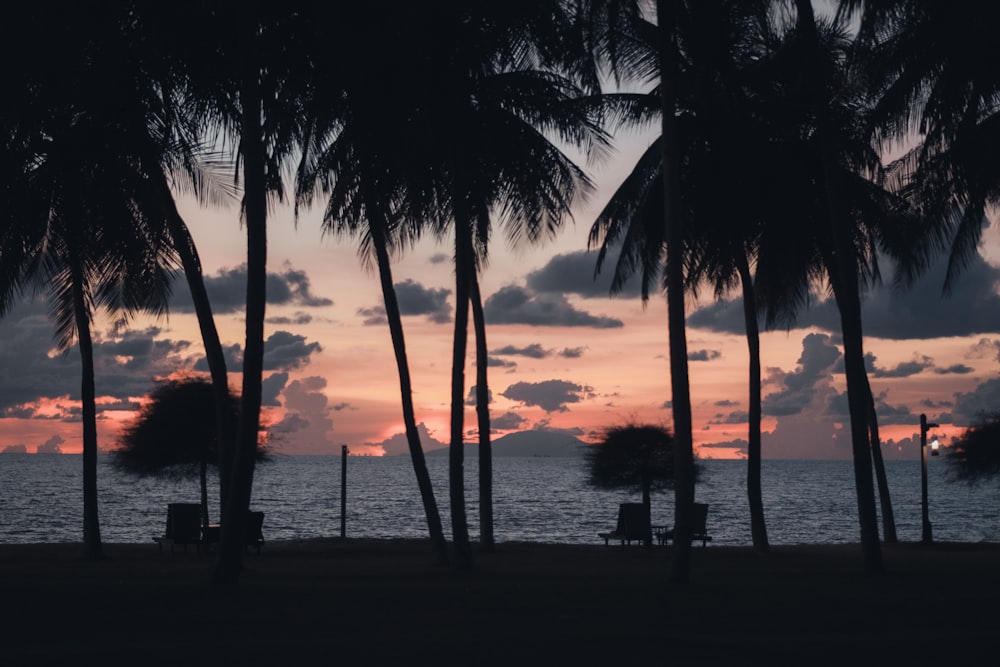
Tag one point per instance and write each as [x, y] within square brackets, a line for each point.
[536, 499]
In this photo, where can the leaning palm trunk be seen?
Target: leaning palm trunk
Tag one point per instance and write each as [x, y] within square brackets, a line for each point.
[758, 528]
[679, 381]
[214, 354]
[88, 398]
[392, 312]
[237, 505]
[464, 267]
[486, 539]
[885, 501]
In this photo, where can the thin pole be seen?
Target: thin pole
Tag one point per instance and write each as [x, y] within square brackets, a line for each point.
[343, 491]
[926, 536]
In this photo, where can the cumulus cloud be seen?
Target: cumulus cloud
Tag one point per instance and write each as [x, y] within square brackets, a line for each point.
[307, 417]
[227, 291]
[471, 398]
[983, 400]
[287, 351]
[298, 319]
[509, 421]
[14, 449]
[573, 273]
[271, 387]
[415, 299]
[516, 305]
[812, 375]
[374, 316]
[550, 395]
[397, 444]
[572, 352]
[704, 355]
[921, 312]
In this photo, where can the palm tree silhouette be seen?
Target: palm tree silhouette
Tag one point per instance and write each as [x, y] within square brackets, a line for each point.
[75, 222]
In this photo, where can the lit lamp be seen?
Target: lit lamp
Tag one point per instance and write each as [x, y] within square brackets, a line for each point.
[925, 426]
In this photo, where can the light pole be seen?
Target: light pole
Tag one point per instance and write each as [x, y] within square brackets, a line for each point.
[925, 426]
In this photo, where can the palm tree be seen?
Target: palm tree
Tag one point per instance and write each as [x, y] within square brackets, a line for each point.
[358, 154]
[74, 222]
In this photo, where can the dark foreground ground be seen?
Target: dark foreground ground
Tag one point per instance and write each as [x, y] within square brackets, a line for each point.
[357, 602]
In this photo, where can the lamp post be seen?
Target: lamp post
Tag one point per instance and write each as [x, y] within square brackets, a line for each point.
[925, 426]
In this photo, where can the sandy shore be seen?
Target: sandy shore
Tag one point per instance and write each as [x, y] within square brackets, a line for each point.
[386, 602]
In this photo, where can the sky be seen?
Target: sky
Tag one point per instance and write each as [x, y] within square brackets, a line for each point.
[564, 355]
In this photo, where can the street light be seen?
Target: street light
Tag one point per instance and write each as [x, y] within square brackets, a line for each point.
[925, 426]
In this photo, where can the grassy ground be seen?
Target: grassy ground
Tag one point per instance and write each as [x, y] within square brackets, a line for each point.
[386, 602]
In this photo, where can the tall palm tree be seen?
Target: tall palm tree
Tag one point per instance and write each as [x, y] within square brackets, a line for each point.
[74, 222]
[363, 153]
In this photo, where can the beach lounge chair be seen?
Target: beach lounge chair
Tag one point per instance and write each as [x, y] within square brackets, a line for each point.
[633, 524]
[183, 526]
[698, 532]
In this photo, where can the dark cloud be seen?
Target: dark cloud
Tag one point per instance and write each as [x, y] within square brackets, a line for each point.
[737, 417]
[534, 351]
[921, 312]
[516, 305]
[572, 352]
[550, 395]
[955, 369]
[295, 319]
[415, 299]
[14, 449]
[398, 444]
[574, 273]
[471, 398]
[703, 355]
[725, 403]
[233, 355]
[799, 387]
[493, 362]
[439, 258]
[509, 421]
[287, 351]
[983, 400]
[904, 369]
[271, 387]
[374, 316]
[227, 291]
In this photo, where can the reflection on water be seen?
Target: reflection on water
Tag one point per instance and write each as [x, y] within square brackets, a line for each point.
[535, 499]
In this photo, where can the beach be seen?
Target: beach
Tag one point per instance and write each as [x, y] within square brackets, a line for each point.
[374, 602]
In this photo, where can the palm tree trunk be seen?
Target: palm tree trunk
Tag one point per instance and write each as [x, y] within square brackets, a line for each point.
[486, 539]
[237, 506]
[214, 354]
[885, 501]
[464, 267]
[434, 525]
[88, 398]
[758, 527]
[841, 264]
[679, 381]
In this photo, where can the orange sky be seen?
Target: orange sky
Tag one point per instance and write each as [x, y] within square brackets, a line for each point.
[587, 363]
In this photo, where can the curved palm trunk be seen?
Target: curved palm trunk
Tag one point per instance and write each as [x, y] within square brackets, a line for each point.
[236, 507]
[885, 501]
[88, 399]
[486, 538]
[841, 265]
[679, 381]
[464, 268]
[214, 354]
[758, 528]
[434, 525]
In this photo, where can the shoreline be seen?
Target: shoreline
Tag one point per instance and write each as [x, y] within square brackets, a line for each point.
[386, 601]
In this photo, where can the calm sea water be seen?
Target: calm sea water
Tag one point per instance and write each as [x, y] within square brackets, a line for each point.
[535, 499]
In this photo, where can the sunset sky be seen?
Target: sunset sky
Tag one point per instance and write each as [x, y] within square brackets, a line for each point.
[564, 355]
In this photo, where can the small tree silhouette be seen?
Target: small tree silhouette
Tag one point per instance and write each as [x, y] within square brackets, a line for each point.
[175, 434]
[633, 456]
[975, 455]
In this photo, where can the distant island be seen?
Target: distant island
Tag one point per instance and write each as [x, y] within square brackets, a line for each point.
[527, 443]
